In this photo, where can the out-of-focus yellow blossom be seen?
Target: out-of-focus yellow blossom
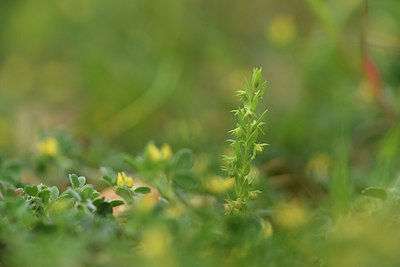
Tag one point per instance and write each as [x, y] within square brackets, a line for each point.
[155, 242]
[145, 204]
[319, 166]
[154, 152]
[48, 147]
[166, 151]
[202, 163]
[266, 228]
[217, 184]
[291, 215]
[123, 180]
[282, 30]
[199, 201]
[175, 211]
[157, 154]
[359, 240]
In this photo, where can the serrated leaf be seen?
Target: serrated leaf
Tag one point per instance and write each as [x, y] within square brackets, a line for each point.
[143, 190]
[31, 190]
[73, 178]
[186, 179]
[375, 192]
[183, 159]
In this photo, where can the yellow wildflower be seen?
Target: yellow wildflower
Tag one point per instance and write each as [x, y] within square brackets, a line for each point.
[282, 30]
[319, 166]
[219, 185]
[266, 228]
[291, 215]
[154, 152]
[48, 147]
[145, 204]
[166, 151]
[123, 180]
[156, 242]
[175, 211]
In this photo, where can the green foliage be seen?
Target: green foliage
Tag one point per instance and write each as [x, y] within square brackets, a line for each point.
[170, 174]
[375, 192]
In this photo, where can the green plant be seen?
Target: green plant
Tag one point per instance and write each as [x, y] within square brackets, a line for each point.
[170, 173]
[244, 144]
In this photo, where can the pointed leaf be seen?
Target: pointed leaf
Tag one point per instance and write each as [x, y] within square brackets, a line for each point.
[143, 190]
[375, 192]
[116, 203]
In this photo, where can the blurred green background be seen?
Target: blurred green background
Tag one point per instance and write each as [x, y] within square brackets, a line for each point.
[117, 74]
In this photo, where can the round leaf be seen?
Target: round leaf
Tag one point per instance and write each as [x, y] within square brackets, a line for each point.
[186, 179]
[183, 159]
[31, 190]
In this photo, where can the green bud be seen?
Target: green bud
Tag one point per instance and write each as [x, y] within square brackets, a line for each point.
[253, 195]
[256, 78]
[258, 148]
[237, 204]
[227, 208]
[238, 132]
[19, 191]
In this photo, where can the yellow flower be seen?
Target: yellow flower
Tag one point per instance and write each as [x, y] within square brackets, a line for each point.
[154, 152]
[319, 166]
[145, 204]
[282, 30]
[48, 147]
[175, 211]
[156, 242]
[166, 151]
[123, 180]
[291, 215]
[266, 228]
[219, 185]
